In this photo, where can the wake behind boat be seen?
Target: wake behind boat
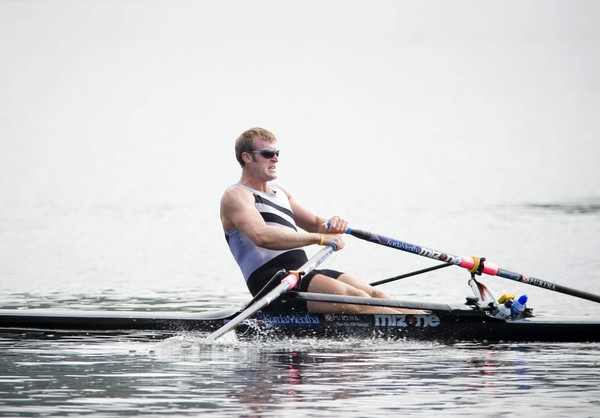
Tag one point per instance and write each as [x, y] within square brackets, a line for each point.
[444, 323]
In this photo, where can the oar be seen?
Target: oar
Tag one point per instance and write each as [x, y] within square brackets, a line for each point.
[473, 264]
[288, 283]
[412, 273]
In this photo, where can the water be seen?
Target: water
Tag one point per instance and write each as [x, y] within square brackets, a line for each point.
[462, 127]
[180, 377]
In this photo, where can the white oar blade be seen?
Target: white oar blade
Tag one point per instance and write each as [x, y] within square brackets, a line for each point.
[288, 283]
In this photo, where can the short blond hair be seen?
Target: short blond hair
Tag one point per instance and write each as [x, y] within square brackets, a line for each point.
[245, 142]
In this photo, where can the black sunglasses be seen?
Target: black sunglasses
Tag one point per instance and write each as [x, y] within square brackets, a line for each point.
[267, 153]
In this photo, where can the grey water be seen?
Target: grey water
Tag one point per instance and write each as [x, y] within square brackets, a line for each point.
[465, 126]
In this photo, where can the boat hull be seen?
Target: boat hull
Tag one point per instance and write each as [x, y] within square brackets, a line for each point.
[449, 325]
[442, 326]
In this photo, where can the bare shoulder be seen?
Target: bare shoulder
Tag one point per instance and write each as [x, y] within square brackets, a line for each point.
[234, 203]
[238, 210]
[235, 195]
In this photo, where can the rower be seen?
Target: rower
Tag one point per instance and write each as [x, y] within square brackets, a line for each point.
[267, 228]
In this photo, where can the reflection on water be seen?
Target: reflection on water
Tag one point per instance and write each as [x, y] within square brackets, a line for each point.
[181, 375]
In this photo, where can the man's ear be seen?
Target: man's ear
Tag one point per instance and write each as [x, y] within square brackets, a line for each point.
[246, 157]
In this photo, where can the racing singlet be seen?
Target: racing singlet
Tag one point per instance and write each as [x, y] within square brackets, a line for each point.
[275, 209]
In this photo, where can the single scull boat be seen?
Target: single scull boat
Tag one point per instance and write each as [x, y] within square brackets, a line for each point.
[479, 320]
[441, 322]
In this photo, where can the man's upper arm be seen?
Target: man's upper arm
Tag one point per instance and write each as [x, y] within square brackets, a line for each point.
[239, 211]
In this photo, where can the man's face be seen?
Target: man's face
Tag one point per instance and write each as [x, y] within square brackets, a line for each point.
[264, 160]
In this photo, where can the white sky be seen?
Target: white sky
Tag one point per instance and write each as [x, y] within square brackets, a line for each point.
[143, 99]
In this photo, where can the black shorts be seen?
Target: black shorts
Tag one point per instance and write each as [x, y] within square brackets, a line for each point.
[290, 260]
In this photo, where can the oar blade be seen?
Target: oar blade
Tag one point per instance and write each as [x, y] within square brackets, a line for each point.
[288, 283]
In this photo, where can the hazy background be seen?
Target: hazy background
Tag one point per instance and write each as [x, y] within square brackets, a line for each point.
[434, 122]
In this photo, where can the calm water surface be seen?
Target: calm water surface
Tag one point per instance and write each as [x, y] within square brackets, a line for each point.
[143, 374]
[180, 376]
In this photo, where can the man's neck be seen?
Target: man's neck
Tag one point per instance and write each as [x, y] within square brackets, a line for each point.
[261, 186]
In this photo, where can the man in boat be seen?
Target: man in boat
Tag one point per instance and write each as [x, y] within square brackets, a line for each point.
[266, 228]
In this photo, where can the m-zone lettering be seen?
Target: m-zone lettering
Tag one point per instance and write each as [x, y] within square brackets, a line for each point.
[407, 320]
[438, 255]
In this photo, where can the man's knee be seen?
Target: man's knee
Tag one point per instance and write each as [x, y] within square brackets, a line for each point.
[378, 294]
[353, 291]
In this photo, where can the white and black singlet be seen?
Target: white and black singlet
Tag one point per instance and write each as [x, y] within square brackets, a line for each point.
[259, 264]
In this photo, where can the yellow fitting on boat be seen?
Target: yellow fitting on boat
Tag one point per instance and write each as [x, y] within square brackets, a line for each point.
[506, 297]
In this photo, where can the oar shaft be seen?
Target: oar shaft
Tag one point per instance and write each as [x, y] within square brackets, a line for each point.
[469, 263]
[547, 285]
[405, 246]
[288, 283]
[413, 273]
